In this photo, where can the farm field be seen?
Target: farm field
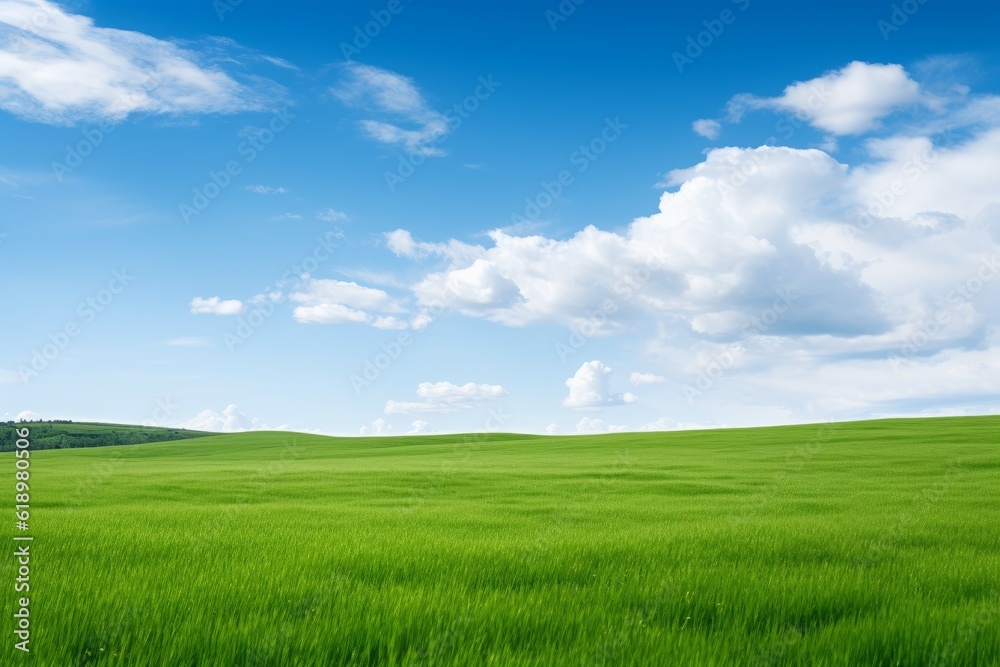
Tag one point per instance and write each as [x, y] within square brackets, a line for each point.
[863, 543]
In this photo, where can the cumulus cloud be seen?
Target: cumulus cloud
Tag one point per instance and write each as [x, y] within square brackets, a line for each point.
[776, 254]
[231, 420]
[851, 100]
[418, 427]
[378, 427]
[446, 397]
[588, 425]
[590, 388]
[216, 306]
[28, 416]
[646, 378]
[810, 244]
[710, 129]
[552, 429]
[410, 121]
[59, 68]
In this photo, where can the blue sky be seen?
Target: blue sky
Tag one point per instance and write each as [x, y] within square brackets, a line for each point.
[534, 217]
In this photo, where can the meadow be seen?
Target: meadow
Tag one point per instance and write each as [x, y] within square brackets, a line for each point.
[864, 543]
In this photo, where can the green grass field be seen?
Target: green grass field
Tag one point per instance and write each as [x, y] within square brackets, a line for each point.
[868, 543]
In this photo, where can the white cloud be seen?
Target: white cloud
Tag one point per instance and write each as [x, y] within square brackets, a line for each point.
[402, 244]
[330, 215]
[330, 313]
[27, 416]
[710, 129]
[418, 427]
[588, 425]
[231, 420]
[667, 424]
[286, 216]
[216, 306]
[646, 378]
[795, 264]
[804, 237]
[378, 427]
[266, 190]
[851, 100]
[443, 397]
[59, 68]
[446, 391]
[188, 341]
[661, 424]
[590, 388]
[347, 293]
[327, 301]
[415, 126]
[552, 429]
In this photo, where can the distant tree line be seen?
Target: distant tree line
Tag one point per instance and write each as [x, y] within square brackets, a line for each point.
[55, 435]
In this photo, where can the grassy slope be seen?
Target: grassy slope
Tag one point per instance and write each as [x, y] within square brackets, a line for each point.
[863, 543]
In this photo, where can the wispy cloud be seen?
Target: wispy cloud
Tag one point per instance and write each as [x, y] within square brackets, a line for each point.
[59, 68]
[446, 397]
[188, 341]
[408, 121]
[266, 190]
[330, 215]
